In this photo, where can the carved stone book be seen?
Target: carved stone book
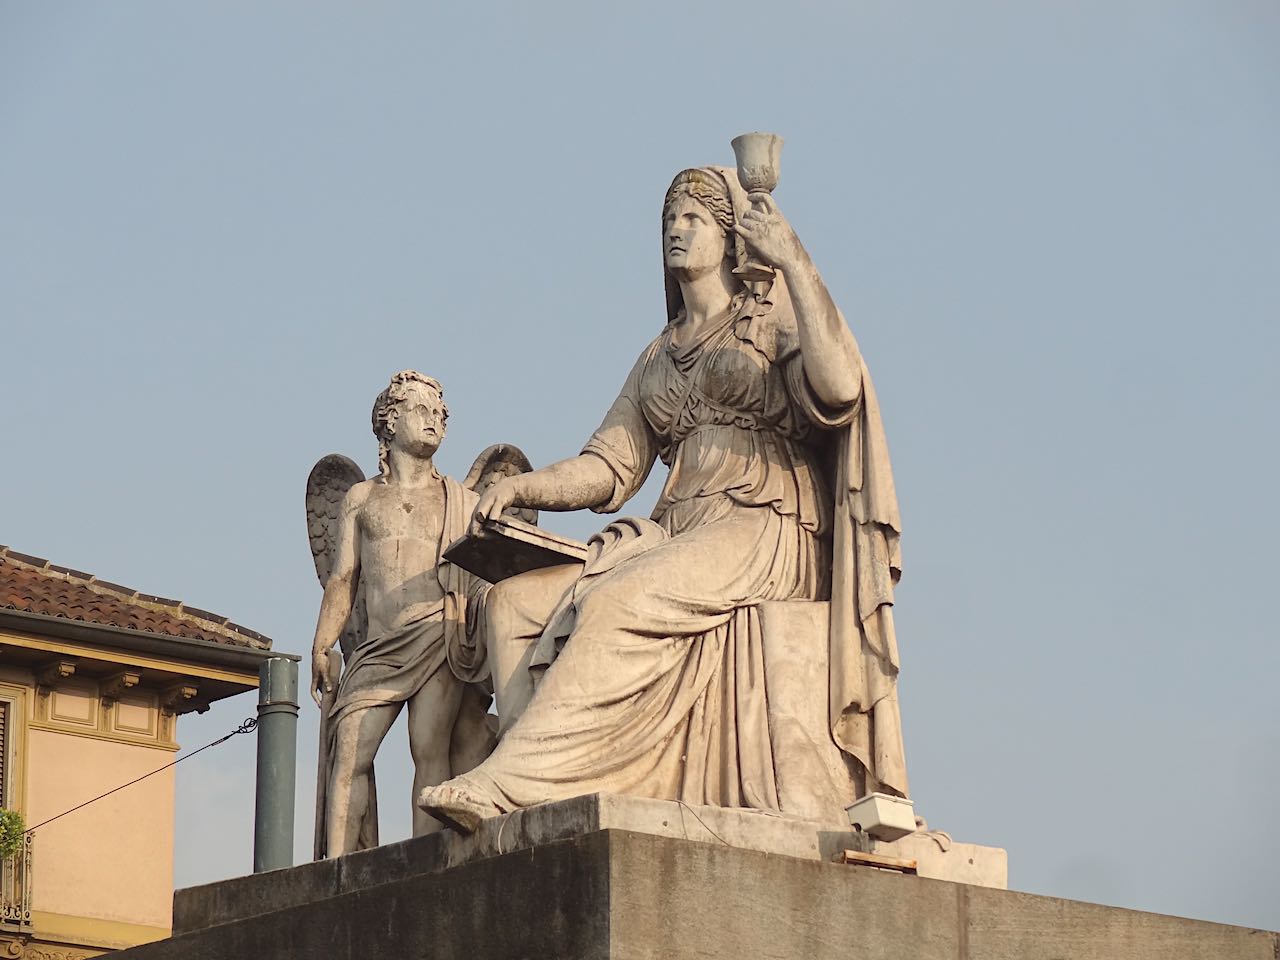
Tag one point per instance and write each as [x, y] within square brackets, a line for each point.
[506, 547]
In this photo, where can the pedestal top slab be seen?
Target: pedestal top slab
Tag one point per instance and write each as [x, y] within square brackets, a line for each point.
[204, 906]
[617, 894]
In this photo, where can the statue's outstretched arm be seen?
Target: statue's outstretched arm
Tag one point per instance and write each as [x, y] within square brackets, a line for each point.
[339, 593]
[578, 483]
[828, 350]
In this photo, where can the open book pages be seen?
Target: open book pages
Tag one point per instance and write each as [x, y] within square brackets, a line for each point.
[502, 548]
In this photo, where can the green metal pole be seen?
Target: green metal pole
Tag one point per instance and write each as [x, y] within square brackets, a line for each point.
[277, 764]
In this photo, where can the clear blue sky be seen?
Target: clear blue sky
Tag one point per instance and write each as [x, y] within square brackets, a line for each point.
[1054, 227]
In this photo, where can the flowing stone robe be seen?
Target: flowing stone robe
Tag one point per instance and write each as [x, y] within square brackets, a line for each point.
[657, 685]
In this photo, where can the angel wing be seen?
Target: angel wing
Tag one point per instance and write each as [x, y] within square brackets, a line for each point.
[494, 463]
[328, 483]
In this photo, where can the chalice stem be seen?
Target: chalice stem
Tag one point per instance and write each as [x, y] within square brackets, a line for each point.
[757, 155]
[753, 271]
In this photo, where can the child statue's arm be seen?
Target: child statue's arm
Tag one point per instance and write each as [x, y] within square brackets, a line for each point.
[339, 594]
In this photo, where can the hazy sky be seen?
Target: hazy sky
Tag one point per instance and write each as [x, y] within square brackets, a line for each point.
[1054, 227]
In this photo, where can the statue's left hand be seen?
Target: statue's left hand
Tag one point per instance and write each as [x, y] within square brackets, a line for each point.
[323, 680]
[768, 234]
[493, 501]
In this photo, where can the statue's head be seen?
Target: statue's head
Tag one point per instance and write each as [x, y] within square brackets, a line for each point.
[697, 223]
[411, 415]
[698, 235]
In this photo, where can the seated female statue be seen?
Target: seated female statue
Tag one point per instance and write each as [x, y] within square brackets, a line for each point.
[756, 398]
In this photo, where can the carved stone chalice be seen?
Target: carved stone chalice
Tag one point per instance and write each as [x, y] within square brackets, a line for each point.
[758, 156]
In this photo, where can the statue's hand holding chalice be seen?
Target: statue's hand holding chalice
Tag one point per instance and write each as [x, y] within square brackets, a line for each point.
[765, 230]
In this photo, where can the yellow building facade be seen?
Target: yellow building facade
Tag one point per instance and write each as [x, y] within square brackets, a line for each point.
[93, 679]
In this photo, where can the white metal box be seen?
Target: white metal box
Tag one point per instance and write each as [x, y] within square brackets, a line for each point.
[883, 816]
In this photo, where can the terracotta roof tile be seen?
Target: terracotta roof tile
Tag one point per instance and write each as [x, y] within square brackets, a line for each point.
[33, 585]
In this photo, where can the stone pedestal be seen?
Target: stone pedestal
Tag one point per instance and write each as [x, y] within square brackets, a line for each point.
[569, 880]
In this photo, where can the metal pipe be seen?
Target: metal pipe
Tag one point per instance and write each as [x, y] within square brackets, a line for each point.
[277, 764]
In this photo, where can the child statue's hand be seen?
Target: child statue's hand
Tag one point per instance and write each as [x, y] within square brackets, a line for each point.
[323, 678]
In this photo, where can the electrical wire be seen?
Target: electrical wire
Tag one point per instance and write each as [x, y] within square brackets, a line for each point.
[248, 726]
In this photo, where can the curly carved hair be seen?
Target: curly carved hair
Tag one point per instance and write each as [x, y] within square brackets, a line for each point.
[386, 409]
[708, 188]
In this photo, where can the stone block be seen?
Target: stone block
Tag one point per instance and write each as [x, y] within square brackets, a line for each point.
[548, 902]
[673, 899]
[941, 858]
[242, 897]
[1004, 925]
[615, 894]
[526, 829]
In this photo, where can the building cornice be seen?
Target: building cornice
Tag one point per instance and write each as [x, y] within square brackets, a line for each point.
[200, 652]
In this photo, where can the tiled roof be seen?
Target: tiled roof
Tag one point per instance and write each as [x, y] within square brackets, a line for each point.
[34, 585]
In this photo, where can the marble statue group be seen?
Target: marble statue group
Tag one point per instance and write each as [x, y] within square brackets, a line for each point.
[736, 648]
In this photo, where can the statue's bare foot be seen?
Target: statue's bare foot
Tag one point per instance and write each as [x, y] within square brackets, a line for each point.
[461, 810]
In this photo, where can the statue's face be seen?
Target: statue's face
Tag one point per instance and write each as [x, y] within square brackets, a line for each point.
[692, 242]
[420, 426]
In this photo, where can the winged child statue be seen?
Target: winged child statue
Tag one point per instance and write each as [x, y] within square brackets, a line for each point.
[403, 617]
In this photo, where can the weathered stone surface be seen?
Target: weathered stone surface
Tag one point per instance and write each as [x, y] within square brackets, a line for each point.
[548, 902]
[529, 828]
[1017, 926]
[673, 899]
[939, 857]
[619, 894]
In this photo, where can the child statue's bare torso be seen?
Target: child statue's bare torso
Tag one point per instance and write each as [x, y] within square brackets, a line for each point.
[399, 530]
